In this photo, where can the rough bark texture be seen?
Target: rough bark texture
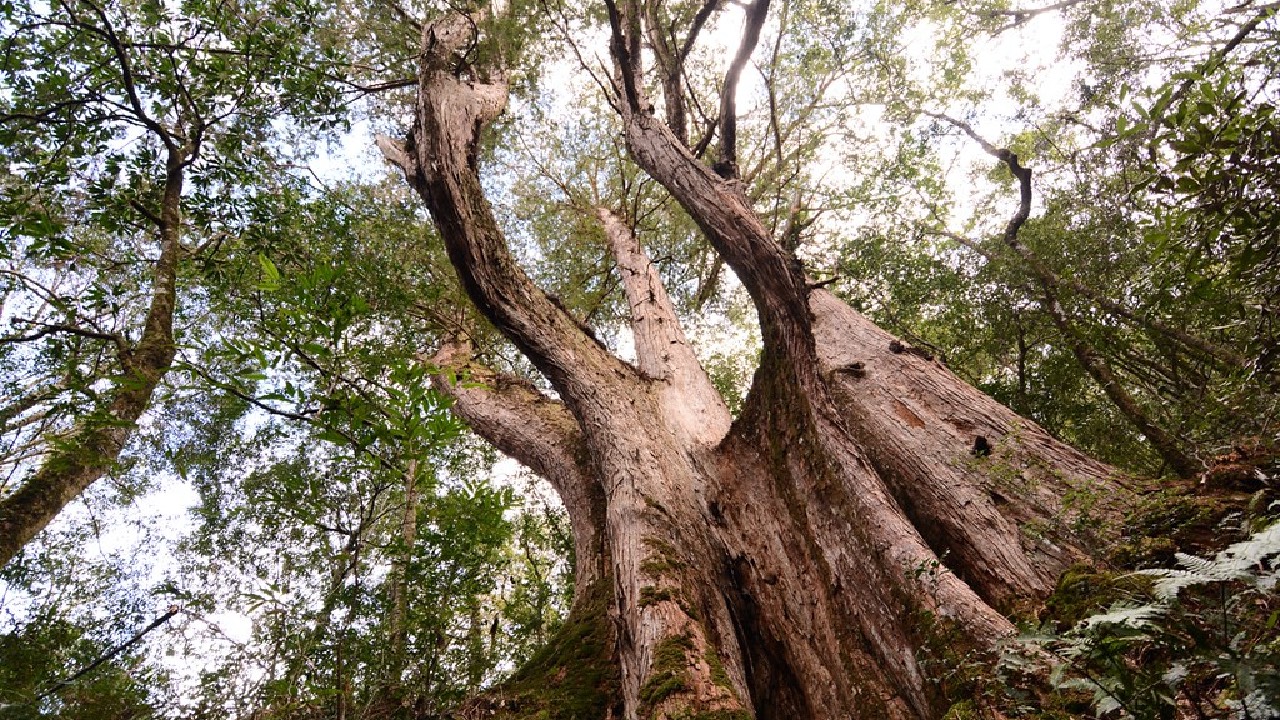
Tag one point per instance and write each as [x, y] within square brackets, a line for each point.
[780, 566]
[95, 443]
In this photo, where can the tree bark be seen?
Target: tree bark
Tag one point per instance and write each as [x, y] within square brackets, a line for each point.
[95, 444]
[399, 609]
[788, 564]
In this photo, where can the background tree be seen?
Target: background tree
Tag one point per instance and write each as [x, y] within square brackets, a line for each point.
[124, 165]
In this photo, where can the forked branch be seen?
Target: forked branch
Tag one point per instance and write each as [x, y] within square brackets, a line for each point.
[1047, 275]
[538, 432]
[662, 350]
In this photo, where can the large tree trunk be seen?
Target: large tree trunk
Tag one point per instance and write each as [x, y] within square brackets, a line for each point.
[780, 566]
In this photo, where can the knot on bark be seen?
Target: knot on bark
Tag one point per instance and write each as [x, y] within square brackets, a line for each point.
[452, 355]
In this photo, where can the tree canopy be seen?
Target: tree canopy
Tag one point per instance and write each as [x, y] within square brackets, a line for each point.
[284, 285]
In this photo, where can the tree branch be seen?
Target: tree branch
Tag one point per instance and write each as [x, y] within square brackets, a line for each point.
[1094, 363]
[538, 432]
[440, 159]
[662, 351]
[728, 165]
[1047, 275]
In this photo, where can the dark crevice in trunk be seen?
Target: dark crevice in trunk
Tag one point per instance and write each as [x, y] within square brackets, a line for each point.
[776, 691]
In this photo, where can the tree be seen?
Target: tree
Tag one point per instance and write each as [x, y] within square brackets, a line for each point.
[125, 166]
[782, 564]
[789, 555]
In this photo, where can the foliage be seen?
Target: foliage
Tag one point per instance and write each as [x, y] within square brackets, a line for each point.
[49, 648]
[1200, 637]
[1151, 235]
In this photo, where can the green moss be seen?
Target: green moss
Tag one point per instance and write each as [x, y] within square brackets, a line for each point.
[1194, 523]
[663, 561]
[650, 595]
[655, 505]
[955, 666]
[669, 672]
[574, 677]
[1143, 552]
[963, 710]
[719, 675]
[1084, 590]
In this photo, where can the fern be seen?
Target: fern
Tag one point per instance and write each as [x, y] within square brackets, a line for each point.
[1252, 560]
[1143, 661]
[1133, 616]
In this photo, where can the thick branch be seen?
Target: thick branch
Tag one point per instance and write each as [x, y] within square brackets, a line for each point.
[689, 400]
[723, 213]
[97, 442]
[440, 161]
[538, 432]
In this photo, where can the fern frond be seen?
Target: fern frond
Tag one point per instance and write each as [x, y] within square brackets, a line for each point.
[1171, 581]
[1135, 616]
[1253, 559]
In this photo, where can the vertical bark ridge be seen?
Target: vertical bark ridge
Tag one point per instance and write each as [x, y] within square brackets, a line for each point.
[884, 577]
[855, 528]
[690, 403]
[663, 554]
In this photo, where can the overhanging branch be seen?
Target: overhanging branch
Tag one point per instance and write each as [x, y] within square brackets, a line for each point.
[1093, 362]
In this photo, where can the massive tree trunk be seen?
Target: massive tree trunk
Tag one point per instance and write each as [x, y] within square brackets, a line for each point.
[785, 565]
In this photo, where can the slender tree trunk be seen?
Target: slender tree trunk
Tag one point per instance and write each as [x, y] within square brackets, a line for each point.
[399, 578]
[95, 443]
[779, 566]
